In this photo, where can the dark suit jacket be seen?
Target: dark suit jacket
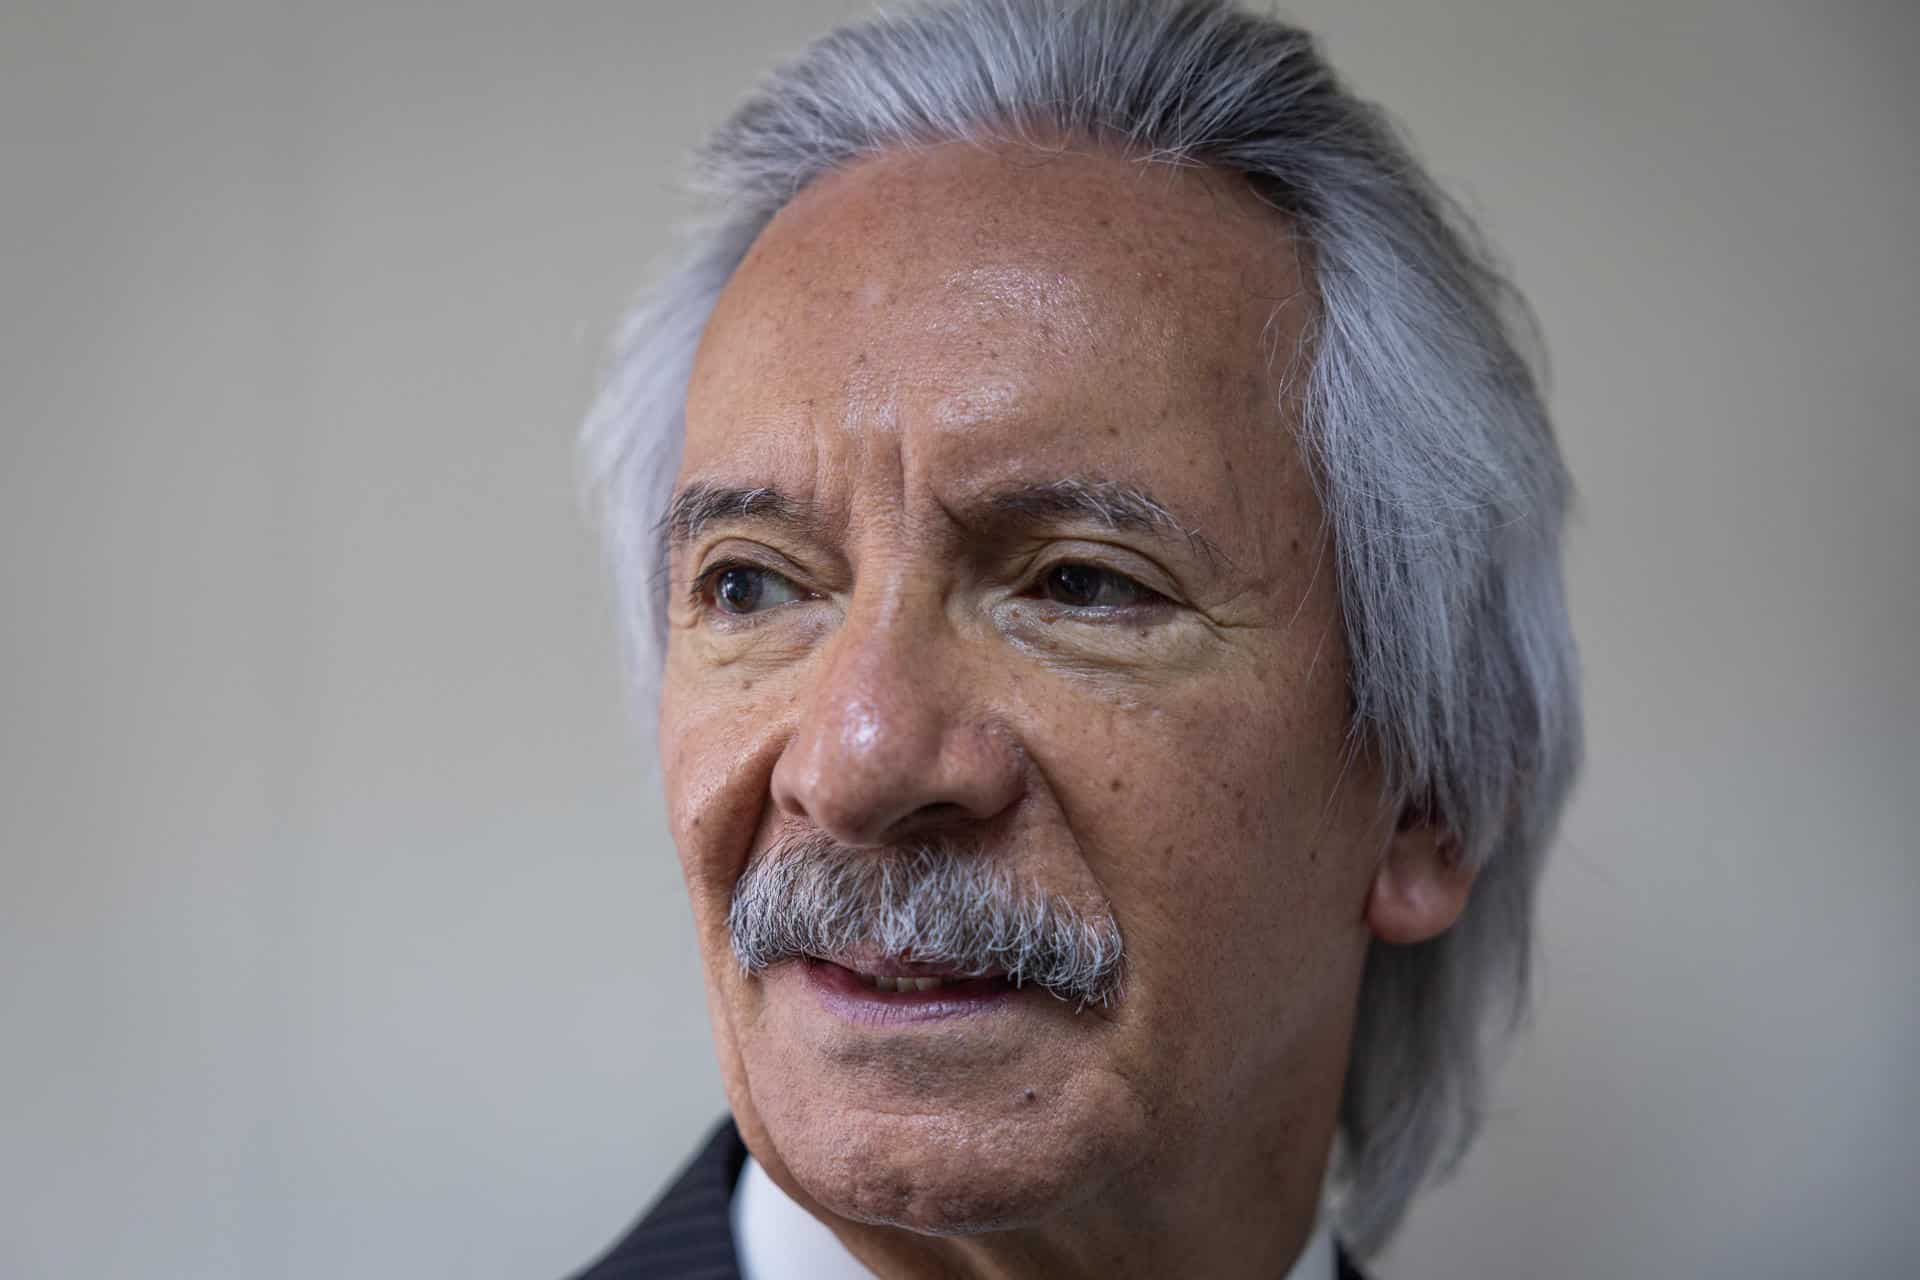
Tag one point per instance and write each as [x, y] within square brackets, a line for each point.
[688, 1234]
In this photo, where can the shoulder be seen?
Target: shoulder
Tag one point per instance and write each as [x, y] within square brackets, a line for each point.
[688, 1233]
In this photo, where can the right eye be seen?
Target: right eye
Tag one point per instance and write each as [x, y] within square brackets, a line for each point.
[741, 589]
[1088, 586]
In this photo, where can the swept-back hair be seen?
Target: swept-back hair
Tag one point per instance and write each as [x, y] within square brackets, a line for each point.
[1418, 416]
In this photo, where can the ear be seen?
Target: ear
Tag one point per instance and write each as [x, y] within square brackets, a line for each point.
[1422, 883]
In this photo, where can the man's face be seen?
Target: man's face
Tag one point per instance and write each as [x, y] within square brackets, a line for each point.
[915, 643]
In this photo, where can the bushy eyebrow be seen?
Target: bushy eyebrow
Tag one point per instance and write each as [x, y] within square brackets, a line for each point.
[1120, 507]
[702, 503]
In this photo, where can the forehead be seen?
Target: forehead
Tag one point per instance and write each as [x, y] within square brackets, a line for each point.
[1003, 308]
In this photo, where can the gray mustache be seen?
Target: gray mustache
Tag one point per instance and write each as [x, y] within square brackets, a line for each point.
[931, 902]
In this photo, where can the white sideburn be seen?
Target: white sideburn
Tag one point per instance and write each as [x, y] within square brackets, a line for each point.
[778, 1240]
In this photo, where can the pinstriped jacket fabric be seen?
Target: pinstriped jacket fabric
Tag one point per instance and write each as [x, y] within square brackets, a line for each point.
[688, 1234]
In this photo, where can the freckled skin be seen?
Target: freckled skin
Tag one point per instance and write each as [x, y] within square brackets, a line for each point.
[907, 334]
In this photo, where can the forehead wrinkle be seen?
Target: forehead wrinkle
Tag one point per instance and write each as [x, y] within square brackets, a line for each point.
[919, 329]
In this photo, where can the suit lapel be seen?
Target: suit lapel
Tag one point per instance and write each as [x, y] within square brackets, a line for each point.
[688, 1233]
[1344, 1265]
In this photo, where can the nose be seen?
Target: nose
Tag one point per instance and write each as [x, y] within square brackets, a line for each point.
[893, 737]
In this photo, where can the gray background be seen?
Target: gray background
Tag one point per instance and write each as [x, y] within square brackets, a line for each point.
[339, 935]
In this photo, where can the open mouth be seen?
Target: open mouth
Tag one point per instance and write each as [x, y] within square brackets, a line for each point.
[907, 984]
[907, 989]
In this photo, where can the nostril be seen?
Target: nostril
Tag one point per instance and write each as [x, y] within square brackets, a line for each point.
[942, 814]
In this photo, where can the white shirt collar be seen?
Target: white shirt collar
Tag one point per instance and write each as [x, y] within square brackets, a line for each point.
[778, 1240]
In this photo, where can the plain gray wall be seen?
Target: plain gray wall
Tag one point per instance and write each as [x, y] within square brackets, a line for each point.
[341, 935]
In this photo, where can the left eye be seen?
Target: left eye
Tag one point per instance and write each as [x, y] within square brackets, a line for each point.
[1086, 586]
[742, 589]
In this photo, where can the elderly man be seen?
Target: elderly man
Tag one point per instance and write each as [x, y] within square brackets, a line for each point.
[1103, 545]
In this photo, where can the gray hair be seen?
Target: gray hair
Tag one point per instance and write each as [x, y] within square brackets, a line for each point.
[808, 895]
[1420, 420]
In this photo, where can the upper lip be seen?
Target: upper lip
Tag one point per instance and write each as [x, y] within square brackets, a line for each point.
[878, 965]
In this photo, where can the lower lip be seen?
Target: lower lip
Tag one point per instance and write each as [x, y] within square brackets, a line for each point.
[843, 993]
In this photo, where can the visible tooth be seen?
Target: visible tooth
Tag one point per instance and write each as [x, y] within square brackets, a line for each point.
[904, 982]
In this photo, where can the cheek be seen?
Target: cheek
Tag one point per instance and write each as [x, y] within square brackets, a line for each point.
[717, 750]
[1219, 763]
[1243, 947]
[1188, 828]
[1208, 825]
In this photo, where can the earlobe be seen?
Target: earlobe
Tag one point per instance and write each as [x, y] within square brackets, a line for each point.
[1421, 885]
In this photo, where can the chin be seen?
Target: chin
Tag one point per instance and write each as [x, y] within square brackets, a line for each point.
[948, 1175]
[990, 1121]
